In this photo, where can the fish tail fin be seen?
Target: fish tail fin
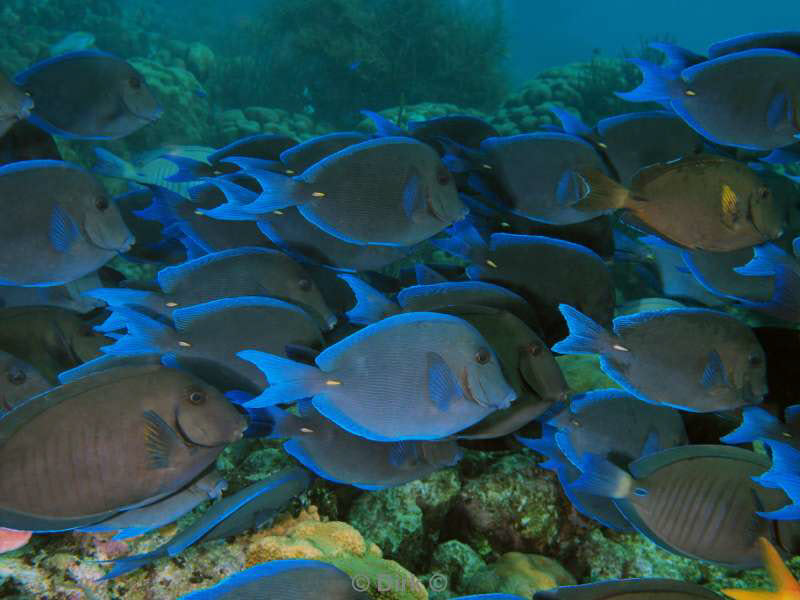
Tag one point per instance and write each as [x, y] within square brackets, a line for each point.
[160, 209]
[585, 336]
[464, 241]
[288, 380]
[783, 472]
[427, 276]
[189, 169]
[278, 191]
[371, 305]
[602, 478]
[600, 193]
[756, 423]
[383, 126]
[771, 261]
[127, 564]
[658, 83]
[571, 123]
[110, 165]
[145, 335]
[677, 58]
[124, 297]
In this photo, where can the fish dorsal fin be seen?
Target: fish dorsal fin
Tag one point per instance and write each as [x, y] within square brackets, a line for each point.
[581, 402]
[462, 310]
[649, 173]
[169, 277]
[647, 465]
[184, 317]
[31, 408]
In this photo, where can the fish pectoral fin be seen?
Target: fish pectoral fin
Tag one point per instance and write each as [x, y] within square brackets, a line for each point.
[730, 207]
[413, 202]
[714, 373]
[63, 230]
[442, 383]
[160, 440]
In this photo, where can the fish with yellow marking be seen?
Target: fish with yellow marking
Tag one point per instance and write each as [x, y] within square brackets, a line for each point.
[787, 586]
[700, 202]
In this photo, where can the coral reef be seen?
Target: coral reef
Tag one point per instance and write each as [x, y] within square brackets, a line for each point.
[586, 87]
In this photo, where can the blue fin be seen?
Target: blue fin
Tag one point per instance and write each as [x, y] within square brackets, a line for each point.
[288, 380]
[63, 230]
[131, 563]
[383, 126]
[189, 169]
[371, 305]
[184, 317]
[427, 276]
[783, 472]
[193, 248]
[161, 440]
[453, 245]
[464, 230]
[442, 384]
[756, 423]
[677, 58]
[778, 110]
[792, 415]
[232, 192]
[602, 478]
[790, 512]
[162, 207]
[570, 123]
[652, 444]
[766, 261]
[122, 296]
[412, 195]
[585, 336]
[278, 191]
[145, 335]
[714, 372]
[109, 164]
[657, 83]
[230, 211]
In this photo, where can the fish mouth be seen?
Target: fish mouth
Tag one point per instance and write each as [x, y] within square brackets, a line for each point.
[187, 439]
[330, 321]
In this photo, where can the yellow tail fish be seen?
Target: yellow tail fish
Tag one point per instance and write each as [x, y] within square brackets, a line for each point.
[787, 586]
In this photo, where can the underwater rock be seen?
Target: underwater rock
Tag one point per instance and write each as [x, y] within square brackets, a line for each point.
[457, 562]
[406, 521]
[586, 87]
[512, 506]
[200, 60]
[65, 565]
[520, 574]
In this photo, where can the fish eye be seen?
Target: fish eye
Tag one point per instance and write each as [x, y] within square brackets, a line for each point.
[197, 398]
[482, 356]
[101, 203]
[135, 82]
[533, 349]
[442, 175]
[640, 492]
[304, 284]
[16, 376]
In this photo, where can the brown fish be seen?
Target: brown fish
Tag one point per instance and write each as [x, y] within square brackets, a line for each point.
[700, 202]
[116, 439]
[630, 589]
[18, 382]
[51, 339]
[15, 104]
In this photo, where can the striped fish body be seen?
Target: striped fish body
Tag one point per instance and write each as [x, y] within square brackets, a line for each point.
[700, 501]
[81, 452]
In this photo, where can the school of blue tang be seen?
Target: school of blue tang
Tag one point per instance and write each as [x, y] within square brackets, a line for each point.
[272, 316]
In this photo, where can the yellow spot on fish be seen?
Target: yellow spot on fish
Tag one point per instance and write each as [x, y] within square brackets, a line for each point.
[289, 172]
[171, 304]
[491, 263]
[620, 348]
[306, 430]
[333, 382]
[505, 225]
[602, 145]
[183, 344]
[486, 166]
[217, 172]
[786, 434]
[277, 212]
[197, 211]
[318, 194]
[787, 586]
[690, 93]
[729, 200]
